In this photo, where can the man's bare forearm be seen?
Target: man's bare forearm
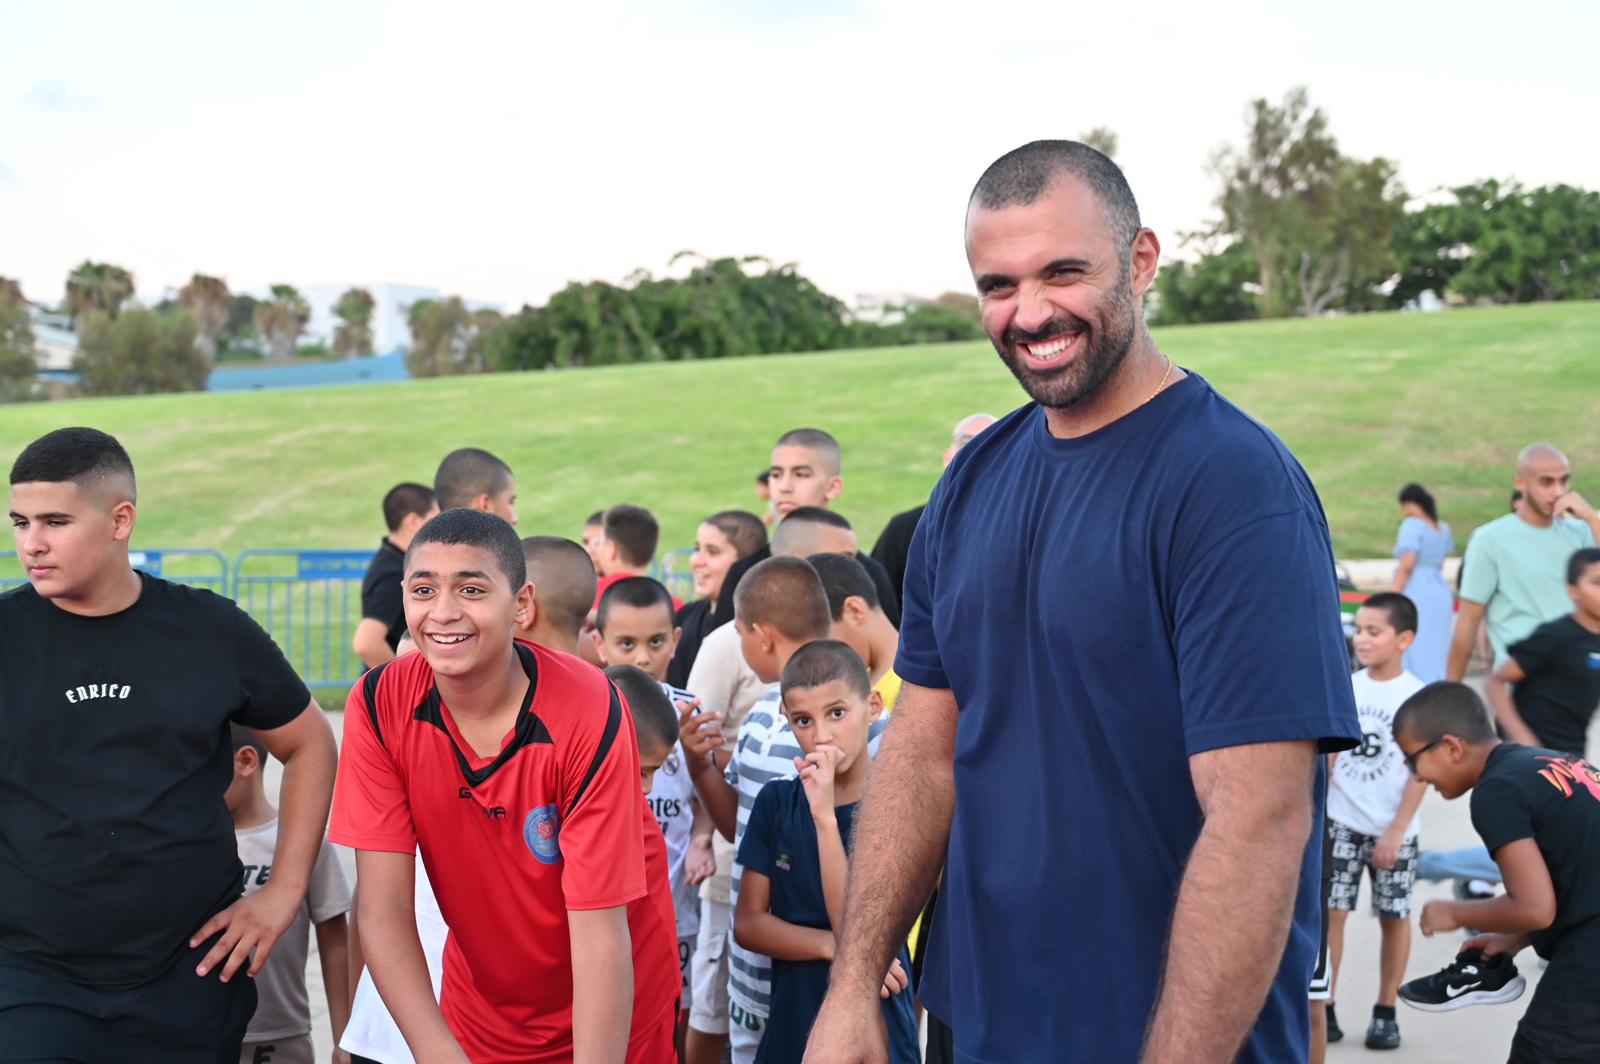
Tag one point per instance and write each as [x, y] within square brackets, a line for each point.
[901, 837]
[1233, 915]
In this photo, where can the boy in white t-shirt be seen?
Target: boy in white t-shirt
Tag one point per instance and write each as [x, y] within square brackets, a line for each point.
[636, 625]
[281, 1027]
[1372, 810]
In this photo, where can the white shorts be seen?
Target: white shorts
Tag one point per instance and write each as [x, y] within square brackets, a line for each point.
[708, 969]
[744, 1032]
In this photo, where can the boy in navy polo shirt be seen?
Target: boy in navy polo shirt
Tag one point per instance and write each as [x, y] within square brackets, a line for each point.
[793, 852]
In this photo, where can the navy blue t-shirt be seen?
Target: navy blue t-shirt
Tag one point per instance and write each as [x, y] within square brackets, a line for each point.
[1103, 608]
[781, 844]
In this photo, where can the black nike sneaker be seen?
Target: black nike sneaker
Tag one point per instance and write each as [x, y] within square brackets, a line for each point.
[1472, 979]
[1383, 1034]
[1335, 1032]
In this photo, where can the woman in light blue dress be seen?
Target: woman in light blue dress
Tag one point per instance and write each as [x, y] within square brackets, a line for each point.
[1421, 548]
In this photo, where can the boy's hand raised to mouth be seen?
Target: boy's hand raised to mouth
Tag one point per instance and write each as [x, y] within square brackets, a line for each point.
[816, 776]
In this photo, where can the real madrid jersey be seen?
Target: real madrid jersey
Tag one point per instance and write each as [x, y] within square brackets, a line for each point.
[554, 821]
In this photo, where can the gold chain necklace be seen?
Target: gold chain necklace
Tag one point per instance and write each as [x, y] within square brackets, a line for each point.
[1163, 383]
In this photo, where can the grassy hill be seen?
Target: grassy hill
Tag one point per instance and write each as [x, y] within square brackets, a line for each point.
[1366, 402]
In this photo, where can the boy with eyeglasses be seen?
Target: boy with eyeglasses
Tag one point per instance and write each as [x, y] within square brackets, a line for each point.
[1538, 812]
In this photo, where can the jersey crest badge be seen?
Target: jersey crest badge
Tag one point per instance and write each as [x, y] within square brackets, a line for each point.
[541, 831]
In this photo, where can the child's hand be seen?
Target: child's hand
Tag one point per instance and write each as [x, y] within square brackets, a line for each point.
[699, 864]
[895, 981]
[816, 776]
[1574, 505]
[1387, 849]
[698, 731]
[1438, 916]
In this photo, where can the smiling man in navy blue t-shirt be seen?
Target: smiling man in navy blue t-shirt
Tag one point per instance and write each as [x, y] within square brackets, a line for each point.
[1122, 661]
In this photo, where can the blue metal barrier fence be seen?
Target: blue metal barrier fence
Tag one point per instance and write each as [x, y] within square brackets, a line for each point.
[199, 566]
[309, 601]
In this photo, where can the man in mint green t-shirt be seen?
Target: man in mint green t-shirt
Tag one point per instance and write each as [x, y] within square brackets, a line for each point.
[1517, 577]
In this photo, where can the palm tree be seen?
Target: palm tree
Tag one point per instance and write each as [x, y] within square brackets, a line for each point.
[210, 300]
[354, 335]
[97, 286]
[281, 319]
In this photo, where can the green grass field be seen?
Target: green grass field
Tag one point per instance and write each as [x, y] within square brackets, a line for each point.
[1366, 402]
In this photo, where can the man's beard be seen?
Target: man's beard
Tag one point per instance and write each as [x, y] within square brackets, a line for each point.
[1104, 349]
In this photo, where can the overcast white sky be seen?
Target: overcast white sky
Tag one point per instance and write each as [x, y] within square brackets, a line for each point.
[501, 150]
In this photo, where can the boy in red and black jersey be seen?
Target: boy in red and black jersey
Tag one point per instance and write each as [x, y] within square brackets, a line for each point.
[515, 770]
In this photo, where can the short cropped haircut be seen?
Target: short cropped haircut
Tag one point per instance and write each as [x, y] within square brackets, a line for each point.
[653, 715]
[474, 528]
[563, 579]
[843, 576]
[815, 440]
[640, 592]
[825, 661]
[635, 531]
[1421, 496]
[89, 458]
[467, 473]
[243, 737]
[816, 515]
[1025, 175]
[787, 594]
[406, 499]
[798, 532]
[743, 529]
[764, 477]
[1581, 560]
[1400, 610]
[597, 518]
[1445, 708]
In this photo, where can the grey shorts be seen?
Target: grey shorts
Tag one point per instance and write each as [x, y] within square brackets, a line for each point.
[296, 1049]
[1347, 852]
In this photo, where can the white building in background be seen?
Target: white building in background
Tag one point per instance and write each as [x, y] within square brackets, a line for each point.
[390, 304]
[54, 342]
[883, 308]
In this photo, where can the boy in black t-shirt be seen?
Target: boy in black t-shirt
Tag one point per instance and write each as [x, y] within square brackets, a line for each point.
[119, 870]
[1555, 672]
[1538, 812]
[793, 852]
[406, 508]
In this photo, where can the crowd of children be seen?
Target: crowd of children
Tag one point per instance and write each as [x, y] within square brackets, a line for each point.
[593, 822]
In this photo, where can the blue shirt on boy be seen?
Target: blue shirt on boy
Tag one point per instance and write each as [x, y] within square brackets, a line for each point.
[1103, 608]
[780, 842]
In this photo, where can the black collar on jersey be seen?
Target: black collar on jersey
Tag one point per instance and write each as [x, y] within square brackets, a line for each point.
[529, 728]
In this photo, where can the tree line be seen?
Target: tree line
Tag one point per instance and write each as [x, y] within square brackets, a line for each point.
[1301, 228]
[1304, 229]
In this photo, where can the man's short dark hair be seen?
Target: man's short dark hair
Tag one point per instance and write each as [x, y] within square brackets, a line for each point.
[816, 515]
[825, 446]
[1024, 175]
[596, 518]
[406, 499]
[474, 528]
[743, 529]
[1400, 610]
[89, 458]
[825, 661]
[1581, 560]
[563, 579]
[640, 592]
[243, 737]
[1445, 708]
[1516, 497]
[843, 576]
[468, 473]
[787, 594]
[653, 716]
[635, 531]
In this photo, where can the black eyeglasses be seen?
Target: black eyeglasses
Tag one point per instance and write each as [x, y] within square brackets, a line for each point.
[1411, 759]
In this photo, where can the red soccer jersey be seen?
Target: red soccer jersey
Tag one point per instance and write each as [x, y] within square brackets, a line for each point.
[555, 821]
